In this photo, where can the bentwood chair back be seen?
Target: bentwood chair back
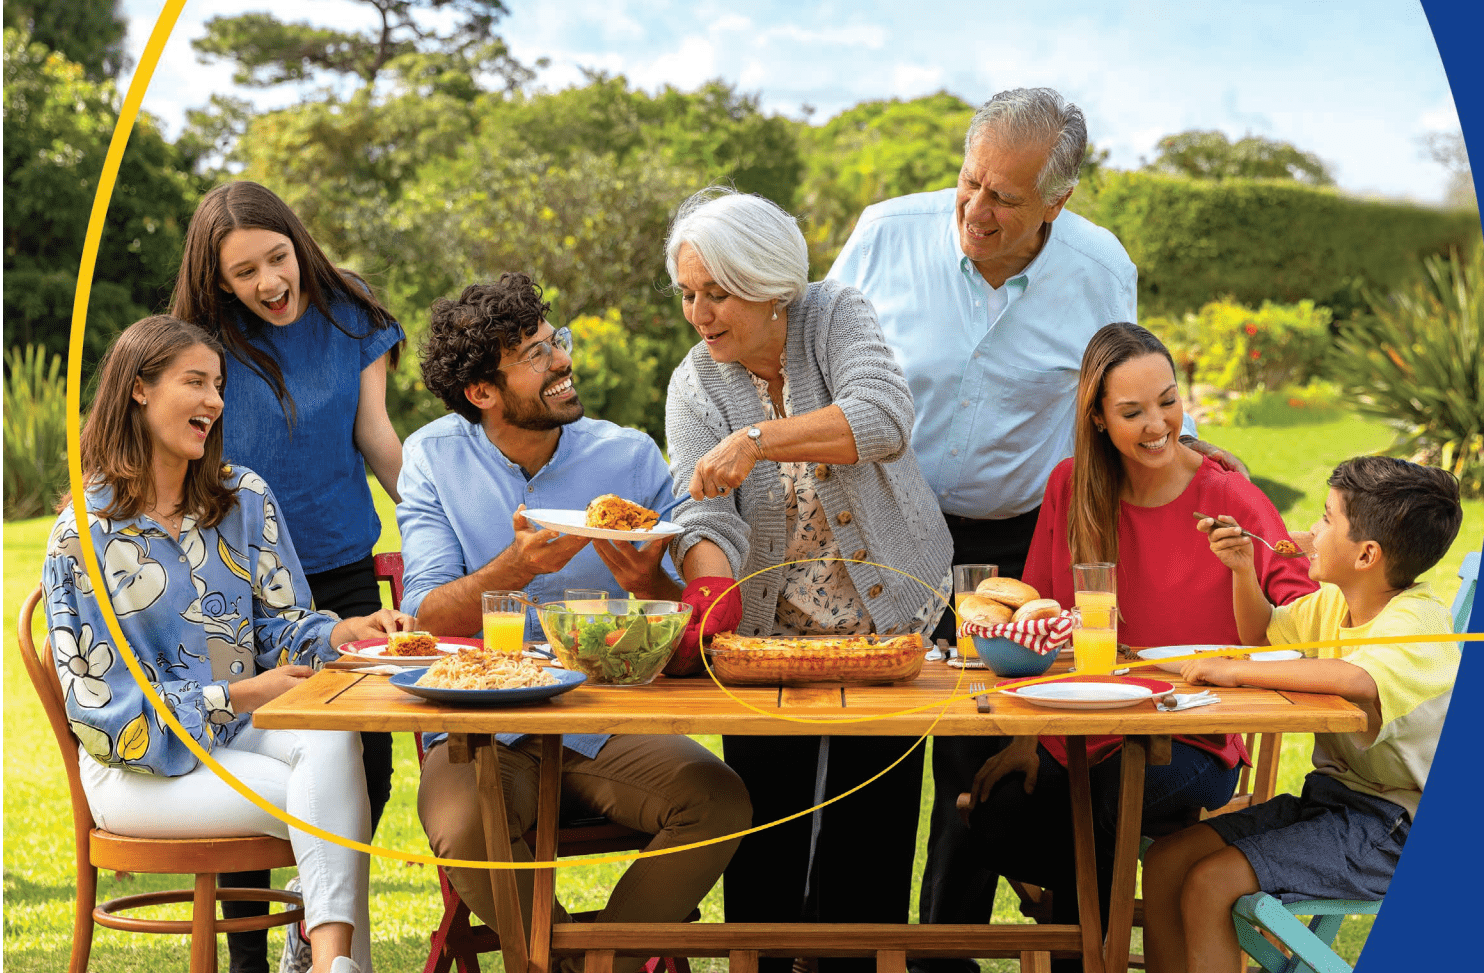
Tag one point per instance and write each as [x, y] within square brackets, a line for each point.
[204, 858]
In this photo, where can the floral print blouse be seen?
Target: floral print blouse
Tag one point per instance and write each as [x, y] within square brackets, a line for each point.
[220, 604]
[818, 597]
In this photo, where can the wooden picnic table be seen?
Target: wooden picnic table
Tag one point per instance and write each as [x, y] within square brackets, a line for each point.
[937, 702]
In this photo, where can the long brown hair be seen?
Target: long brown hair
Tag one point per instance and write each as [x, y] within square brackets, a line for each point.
[1097, 474]
[200, 299]
[116, 445]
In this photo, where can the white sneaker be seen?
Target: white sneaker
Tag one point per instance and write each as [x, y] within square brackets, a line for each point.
[344, 964]
[297, 957]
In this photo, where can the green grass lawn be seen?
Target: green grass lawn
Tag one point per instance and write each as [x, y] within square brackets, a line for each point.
[1290, 462]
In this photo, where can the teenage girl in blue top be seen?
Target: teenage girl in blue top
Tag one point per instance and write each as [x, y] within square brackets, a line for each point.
[308, 348]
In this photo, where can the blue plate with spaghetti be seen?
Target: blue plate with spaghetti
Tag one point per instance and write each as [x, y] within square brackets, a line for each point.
[566, 681]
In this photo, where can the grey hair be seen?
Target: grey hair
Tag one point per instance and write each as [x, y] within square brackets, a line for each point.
[1038, 115]
[751, 245]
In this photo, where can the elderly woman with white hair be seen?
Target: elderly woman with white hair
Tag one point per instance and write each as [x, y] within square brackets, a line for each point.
[790, 425]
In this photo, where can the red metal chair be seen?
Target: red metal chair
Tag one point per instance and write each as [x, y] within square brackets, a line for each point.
[459, 939]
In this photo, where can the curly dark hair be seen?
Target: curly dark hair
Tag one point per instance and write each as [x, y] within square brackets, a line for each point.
[1411, 511]
[467, 337]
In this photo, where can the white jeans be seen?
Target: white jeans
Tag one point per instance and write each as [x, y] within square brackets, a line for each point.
[315, 775]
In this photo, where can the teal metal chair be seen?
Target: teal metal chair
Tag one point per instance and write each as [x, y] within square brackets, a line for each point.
[1468, 585]
[1310, 943]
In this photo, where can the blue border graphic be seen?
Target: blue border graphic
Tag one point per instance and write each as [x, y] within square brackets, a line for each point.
[1431, 916]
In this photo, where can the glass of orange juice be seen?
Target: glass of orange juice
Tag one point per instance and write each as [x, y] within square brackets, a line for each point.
[504, 622]
[1095, 588]
[1094, 647]
[966, 578]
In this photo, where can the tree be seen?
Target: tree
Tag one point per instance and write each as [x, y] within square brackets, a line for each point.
[269, 51]
[89, 33]
[57, 128]
[1211, 155]
[874, 151]
[1448, 150]
[591, 229]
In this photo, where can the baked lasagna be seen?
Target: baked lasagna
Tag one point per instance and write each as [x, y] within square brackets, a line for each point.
[832, 659]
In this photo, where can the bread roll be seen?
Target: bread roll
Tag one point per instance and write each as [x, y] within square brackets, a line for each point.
[1007, 591]
[1039, 608]
[984, 611]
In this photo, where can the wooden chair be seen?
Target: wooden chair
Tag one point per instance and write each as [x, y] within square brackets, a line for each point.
[1257, 783]
[458, 938]
[204, 858]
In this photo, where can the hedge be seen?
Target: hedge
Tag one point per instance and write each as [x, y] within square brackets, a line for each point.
[1262, 240]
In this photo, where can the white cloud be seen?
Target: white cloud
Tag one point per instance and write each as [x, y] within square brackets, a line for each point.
[912, 80]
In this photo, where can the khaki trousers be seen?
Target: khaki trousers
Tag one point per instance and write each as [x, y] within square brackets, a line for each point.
[667, 786]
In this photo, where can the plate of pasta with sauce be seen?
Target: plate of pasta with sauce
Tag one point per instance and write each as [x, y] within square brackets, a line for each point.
[482, 677]
[609, 517]
[407, 648]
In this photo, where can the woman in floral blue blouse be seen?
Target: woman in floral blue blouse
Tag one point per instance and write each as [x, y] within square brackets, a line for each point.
[211, 598]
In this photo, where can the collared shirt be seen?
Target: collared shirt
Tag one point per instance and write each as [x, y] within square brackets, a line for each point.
[995, 393]
[459, 493]
[313, 465]
[217, 605]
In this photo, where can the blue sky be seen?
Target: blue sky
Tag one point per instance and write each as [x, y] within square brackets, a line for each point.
[1354, 82]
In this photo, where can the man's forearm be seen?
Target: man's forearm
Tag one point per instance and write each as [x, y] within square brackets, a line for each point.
[454, 608]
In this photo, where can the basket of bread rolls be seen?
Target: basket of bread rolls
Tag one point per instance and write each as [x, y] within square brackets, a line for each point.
[1016, 632]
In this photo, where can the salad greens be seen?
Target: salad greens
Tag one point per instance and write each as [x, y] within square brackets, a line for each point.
[620, 650]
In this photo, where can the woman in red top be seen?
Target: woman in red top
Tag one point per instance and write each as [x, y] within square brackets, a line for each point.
[1128, 496]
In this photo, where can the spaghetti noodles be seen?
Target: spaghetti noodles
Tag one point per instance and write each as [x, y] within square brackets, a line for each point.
[484, 669]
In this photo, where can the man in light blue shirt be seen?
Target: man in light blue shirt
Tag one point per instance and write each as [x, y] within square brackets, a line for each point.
[988, 294]
[518, 438]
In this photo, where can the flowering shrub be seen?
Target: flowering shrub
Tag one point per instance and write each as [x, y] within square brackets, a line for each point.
[1241, 349]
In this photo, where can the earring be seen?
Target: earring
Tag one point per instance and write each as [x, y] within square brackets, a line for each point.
[1100, 427]
[144, 401]
[775, 312]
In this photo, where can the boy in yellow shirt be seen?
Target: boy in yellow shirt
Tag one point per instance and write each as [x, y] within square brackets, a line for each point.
[1385, 522]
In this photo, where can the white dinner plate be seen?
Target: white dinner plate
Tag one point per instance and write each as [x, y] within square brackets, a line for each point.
[1167, 651]
[1091, 692]
[575, 522]
[374, 650]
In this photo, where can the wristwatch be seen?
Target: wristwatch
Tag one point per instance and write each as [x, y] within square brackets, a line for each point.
[755, 433]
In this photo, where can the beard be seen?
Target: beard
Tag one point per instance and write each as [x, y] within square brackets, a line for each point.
[537, 415]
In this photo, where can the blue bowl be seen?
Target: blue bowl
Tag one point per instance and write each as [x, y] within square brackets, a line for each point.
[1011, 660]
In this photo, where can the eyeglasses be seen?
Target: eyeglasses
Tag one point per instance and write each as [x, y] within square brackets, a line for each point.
[541, 352]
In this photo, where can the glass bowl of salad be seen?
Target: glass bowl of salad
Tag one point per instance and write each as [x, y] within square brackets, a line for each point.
[617, 641]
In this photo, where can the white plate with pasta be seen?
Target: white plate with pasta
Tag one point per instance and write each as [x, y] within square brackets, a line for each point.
[375, 650]
[487, 679]
[575, 522]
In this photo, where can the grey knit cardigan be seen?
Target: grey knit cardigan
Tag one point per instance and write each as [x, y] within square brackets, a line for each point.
[880, 509]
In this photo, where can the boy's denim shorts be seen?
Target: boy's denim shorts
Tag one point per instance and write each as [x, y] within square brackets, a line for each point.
[1330, 842]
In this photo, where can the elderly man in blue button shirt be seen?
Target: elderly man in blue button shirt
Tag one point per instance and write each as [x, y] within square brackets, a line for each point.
[517, 437]
[988, 294]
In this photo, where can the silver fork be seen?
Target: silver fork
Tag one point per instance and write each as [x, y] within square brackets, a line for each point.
[1261, 540]
[981, 697]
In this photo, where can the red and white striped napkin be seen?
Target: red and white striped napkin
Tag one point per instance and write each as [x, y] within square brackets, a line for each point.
[1041, 635]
